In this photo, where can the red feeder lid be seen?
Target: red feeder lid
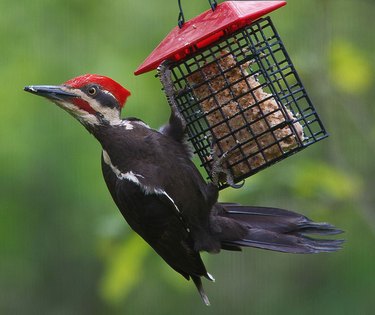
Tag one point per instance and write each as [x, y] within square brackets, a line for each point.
[205, 29]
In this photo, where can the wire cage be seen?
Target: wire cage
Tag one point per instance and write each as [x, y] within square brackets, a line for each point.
[244, 103]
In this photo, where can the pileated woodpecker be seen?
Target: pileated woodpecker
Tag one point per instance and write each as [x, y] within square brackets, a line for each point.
[162, 195]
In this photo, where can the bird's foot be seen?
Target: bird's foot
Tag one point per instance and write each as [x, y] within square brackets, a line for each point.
[165, 76]
[177, 124]
[219, 168]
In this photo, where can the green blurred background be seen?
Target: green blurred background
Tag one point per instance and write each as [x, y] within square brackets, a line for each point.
[65, 249]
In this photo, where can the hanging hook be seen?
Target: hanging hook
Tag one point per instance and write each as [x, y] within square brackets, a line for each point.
[181, 17]
[213, 4]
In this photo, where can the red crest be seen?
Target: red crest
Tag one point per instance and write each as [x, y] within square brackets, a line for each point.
[118, 91]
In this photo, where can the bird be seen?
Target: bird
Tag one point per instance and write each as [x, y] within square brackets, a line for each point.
[161, 193]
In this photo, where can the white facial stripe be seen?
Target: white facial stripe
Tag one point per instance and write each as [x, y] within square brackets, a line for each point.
[110, 114]
[80, 114]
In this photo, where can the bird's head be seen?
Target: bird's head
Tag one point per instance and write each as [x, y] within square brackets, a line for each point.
[90, 98]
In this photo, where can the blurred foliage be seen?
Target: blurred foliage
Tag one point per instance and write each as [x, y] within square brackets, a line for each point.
[118, 281]
[65, 249]
[350, 67]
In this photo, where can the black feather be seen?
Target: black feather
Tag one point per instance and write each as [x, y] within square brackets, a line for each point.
[279, 230]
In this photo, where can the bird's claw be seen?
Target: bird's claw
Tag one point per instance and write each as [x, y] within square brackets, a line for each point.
[219, 168]
[164, 74]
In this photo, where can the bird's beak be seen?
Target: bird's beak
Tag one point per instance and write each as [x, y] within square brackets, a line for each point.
[52, 92]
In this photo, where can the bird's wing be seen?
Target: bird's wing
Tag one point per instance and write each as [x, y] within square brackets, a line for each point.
[156, 218]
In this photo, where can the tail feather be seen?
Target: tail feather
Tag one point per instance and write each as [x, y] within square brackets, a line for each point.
[320, 229]
[279, 230]
[198, 283]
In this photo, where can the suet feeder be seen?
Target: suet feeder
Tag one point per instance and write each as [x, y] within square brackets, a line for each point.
[237, 89]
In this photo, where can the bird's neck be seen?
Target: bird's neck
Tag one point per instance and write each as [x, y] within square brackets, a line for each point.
[110, 135]
[102, 132]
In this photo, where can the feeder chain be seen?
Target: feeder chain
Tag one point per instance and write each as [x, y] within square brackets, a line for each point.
[181, 17]
[213, 4]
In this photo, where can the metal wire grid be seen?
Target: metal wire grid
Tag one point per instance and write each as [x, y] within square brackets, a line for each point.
[258, 49]
[284, 81]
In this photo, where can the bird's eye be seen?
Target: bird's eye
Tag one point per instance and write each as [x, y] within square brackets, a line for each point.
[92, 90]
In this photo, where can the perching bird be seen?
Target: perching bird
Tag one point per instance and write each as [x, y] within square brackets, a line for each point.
[161, 193]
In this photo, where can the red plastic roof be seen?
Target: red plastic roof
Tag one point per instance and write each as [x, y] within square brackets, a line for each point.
[205, 29]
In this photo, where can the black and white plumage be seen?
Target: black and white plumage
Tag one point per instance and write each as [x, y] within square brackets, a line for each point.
[162, 195]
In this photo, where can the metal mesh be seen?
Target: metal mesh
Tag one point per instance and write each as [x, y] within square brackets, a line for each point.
[242, 97]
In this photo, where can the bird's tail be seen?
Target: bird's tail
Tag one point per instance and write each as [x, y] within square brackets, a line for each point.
[278, 230]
